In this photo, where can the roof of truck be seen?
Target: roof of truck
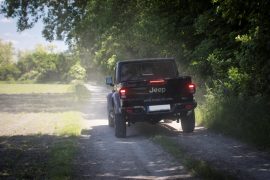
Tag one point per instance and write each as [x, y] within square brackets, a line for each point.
[146, 59]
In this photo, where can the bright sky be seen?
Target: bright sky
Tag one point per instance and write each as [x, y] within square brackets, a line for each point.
[26, 40]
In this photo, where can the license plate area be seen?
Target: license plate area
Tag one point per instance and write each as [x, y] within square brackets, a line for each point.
[155, 108]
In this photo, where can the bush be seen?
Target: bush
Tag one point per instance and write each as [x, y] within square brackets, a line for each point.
[32, 75]
[81, 92]
[9, 72]
[76, 72]
[246, 118]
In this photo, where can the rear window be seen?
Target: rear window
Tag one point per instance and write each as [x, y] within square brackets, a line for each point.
[147, 70]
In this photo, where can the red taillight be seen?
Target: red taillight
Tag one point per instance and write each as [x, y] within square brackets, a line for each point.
[188, 106]
[123, 93]
[157, 82]
[192, 88]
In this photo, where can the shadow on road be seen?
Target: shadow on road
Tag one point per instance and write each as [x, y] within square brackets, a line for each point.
[104, 156]
[26, 157]
[101, 155]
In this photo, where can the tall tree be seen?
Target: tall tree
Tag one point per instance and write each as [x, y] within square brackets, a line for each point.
[6, 53]
[224, 41]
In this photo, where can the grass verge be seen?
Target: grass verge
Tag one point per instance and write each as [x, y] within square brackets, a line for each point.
[247, 119]
[198, 168]
[66, 126]
[70, 124]
[62, 153]
[32, 151]
[61, 158]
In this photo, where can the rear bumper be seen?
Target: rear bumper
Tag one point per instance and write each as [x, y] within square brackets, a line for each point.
[142, 113]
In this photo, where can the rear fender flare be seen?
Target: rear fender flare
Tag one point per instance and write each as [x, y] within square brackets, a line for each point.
[109, 102]
[116, 103]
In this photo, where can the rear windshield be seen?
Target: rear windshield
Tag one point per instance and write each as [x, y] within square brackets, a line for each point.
[147, 70]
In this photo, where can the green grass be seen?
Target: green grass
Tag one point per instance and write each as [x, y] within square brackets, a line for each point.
[80, 92]
[61, 158]
[63, 152]
[34, 88]
[245, 119]
[36, 153]
[198, 168]
[67, 125]
[199, 115]
[70, 124]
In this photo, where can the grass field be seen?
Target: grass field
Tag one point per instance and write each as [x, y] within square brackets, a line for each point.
[39, 126]
[35, 88]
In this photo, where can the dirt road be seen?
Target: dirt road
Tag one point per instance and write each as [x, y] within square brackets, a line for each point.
[27, 132]
[103, 156]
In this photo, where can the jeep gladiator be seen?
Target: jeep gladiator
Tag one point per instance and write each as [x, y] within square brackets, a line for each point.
[149, 90]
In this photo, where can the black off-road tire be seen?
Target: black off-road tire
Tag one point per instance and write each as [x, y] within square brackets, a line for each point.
[111, 119]
[188, 122]
[120, 126]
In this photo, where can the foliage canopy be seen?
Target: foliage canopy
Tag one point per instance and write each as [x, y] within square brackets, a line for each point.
[225, 42]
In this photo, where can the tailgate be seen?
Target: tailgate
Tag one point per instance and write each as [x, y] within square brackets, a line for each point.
[158, 92]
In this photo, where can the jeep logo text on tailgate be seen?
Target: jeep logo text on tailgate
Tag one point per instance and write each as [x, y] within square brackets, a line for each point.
[157, 90]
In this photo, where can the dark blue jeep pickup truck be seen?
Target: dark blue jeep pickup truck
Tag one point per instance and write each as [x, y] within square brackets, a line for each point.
[149, 90]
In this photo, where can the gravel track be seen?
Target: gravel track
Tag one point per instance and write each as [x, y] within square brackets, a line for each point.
[105, 157]
[101, 155]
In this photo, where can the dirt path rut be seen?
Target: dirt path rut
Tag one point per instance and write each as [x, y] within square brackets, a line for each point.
[102, 156]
